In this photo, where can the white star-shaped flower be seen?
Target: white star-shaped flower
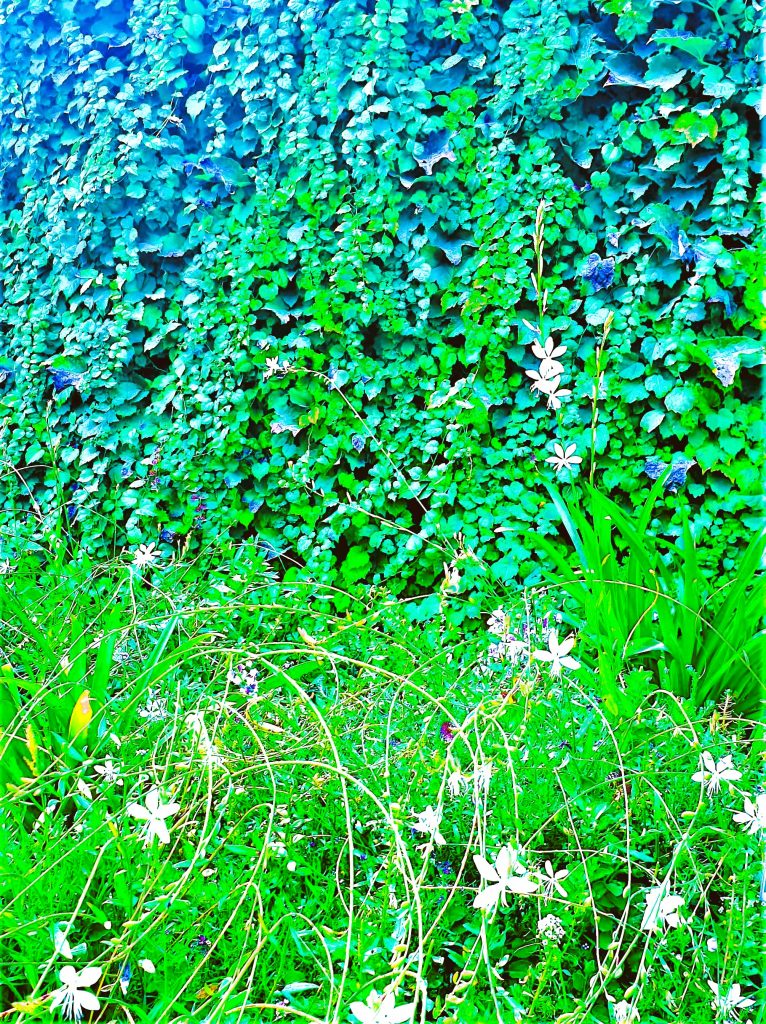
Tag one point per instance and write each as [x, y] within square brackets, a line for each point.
[661, 907]
[552, 880]
[712, 773]
[382, 1009]
[728, 1004]
[557, 653]
[109, 772]
[145, 554]
[754, 814]
[506, 875]
[564, 459]
[72, 997]
[429, 821]
[550, 351]
[154, 814]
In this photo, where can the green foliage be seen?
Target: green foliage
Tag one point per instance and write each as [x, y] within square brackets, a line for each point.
[649, 608]
[188, 190]
[295, 752]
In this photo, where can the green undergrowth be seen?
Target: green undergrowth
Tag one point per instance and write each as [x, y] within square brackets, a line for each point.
[369, 818]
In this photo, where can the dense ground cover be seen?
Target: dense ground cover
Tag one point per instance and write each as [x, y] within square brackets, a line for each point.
[224, 802]
[269, 269]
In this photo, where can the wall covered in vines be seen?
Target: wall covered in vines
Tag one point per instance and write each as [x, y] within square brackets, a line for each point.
[266, 268]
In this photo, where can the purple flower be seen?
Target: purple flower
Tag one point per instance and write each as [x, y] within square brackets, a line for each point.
[358, 442]
[166, 535]
[446, 732]
[65, 379]
[654, 468]
[678, 473]
[597, 272]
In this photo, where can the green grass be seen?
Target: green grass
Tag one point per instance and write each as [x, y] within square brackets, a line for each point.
[302, 876]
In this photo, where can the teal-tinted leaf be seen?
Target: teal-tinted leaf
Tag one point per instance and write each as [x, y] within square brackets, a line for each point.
[193, 25]
[651, 420]
[680, 400]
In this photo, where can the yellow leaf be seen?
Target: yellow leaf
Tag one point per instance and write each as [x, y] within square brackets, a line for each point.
[31, 761]
[81, 716]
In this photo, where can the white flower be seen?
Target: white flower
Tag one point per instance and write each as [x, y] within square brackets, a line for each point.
[499, 622]
[456, 782]
[711, 773]
[109, 772]
[429, 821]
[72, 997]
[564, 459]
[551, 929]
[154, 814]
[557, 653]
[60, 942]
[382, 1009]
[545, 385]
[754, 814]
[451, 577]
[506, 875]
[624, 1013]
[661, 907]
[155, 709]
[729, 1004]
[147, 965]
[145, 554]
[482, 776]
[551, 881]
[274, 366]
[555, 396]
[550, 351]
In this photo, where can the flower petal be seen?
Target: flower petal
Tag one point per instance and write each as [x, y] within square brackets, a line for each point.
[87, 1000]
[485, 869]
[89, 976]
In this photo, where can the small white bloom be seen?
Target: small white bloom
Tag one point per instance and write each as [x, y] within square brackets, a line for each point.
[273, 366]
[451, 577]
[545, 385]
[551, 929]
[456, 782]
[482, 776]
[147, 965]
[382, 1009]
[727, 1004]
[507, 874]
[557, 653]
[712, 944]
[624, 1013]
[564, 459]
[154, 815]
[109, 772]
[661, 907]
[155, 709]
[552, 880]
[711, 774]
[754, 814]
[145, 554]
[60, 942]
[84, 789]
[499, 622]
[550, 351]
[72, 997]
[555, 396]
[429, 821]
